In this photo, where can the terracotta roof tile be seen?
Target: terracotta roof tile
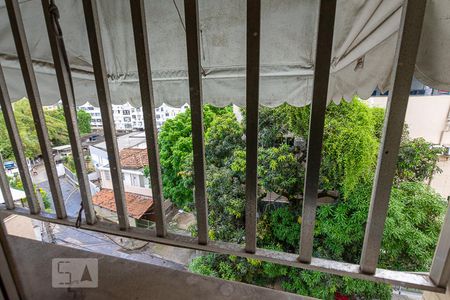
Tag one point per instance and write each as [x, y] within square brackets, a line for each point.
[137, 205]
[133, 158]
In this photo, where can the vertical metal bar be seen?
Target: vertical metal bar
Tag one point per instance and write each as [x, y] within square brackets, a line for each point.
[148, 107]
[23, 52]
[17, 147]
[440, 268]
[324, 45]
[4, 186]
[101, 81]
[196, 99]
[405, 57]
[252, 104]
[68, 99]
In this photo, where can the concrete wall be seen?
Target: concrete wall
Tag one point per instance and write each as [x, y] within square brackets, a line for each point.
[441, 181]
[112, 215]
[60, 170]
[436, 296]
[426, 116]
[107, 184]
[127, 182]
[99, 156]
[122, 279]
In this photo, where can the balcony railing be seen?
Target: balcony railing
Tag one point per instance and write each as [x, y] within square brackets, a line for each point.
[407, 45]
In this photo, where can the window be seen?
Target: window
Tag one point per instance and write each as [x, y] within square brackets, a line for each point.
[127, 119]
[135, 181]
[167, 114]
[126, 112]
[141, 181]
[107, 175]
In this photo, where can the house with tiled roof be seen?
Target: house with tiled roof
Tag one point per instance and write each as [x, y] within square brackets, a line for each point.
[139, 207]
[137, 188]
[132, 161]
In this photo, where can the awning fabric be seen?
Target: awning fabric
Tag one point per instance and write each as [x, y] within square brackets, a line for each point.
[364, 45]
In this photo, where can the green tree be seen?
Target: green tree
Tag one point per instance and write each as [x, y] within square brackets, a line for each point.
[351, 140]
[417, 160]
[84, 122]
[69, 163]
[56, 126]
[175, 142]
[225, 190]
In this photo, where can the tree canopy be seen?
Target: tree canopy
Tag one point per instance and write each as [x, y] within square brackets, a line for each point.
[351, 141]
[56, 125]
[175, 142]
[84, 122]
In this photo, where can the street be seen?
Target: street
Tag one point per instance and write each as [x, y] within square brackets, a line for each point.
[71, 195]
[101, 243]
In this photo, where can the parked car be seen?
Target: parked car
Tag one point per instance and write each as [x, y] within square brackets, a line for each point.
[9, 165]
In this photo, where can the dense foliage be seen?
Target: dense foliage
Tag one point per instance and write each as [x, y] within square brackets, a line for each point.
[56, 125]
[84, 122]
[351, 141]
[175, 142]
[16, 183]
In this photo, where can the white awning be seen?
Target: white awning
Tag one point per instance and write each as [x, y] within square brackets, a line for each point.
[364, 45]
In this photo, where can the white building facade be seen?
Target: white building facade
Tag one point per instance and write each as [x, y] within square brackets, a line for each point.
[129, 118]
[96, 117]
[166, 112]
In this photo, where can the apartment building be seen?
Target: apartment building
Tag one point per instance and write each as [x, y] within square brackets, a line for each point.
[166, 112]
[96, 116]
[129, 118]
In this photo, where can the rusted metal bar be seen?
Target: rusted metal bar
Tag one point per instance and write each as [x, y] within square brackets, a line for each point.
[196, 101]
[148, 108]
[405, 58]
[23, 52]
[324, 45]
[68, 100]
[104, 100]
[17, 147]
[404, 279]
[252, 106]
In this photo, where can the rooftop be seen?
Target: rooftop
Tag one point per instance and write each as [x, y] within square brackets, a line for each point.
[63, 148]
[137, 205]
[125, 141]
[133, 158]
